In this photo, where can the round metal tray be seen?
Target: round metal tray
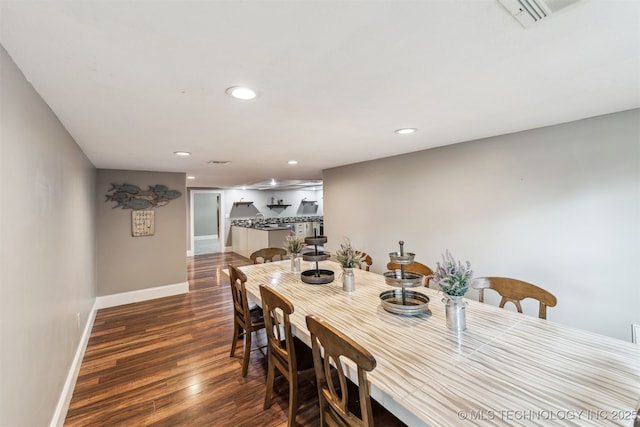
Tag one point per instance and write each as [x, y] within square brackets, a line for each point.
[317, 277]
[410, 280]
[312, 256]
[411, 304]
[406, 258]
[318, 240]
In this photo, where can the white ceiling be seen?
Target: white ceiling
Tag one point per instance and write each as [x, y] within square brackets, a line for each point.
[134, 81]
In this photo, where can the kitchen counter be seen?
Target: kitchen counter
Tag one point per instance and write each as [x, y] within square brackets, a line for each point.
[246, 240]
[284, 221]
[271, 227]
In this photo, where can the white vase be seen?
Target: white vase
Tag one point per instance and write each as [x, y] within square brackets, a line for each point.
[455, 311]
[295, 263]
[348, 280]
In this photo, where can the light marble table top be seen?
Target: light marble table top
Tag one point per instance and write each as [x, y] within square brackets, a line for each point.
[504, 369]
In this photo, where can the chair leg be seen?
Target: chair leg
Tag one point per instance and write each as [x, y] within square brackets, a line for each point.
[293, 401]
[271, 377]
[247, 353]
[234, 342]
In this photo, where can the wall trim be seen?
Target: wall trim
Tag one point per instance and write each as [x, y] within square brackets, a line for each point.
[206, 237]
[113, 300]
[106, 301]
[62, 407]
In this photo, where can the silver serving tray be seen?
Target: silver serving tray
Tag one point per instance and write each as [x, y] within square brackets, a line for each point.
[317, 277]
[410, 280]
[406, 258]
[318, 240]
[313, 256]
[413, 303]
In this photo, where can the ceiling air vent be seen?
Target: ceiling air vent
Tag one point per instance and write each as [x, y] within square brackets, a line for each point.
[529, 12]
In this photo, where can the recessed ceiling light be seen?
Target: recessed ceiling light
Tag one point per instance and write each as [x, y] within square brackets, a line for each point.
[405, 131]
[191, 177]
[292, 162]
[182, 153]
[243, 93]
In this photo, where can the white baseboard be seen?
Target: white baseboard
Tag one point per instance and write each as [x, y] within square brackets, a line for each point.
[142, 295]
[62, 407]
[206, 237]
[64, 400]
[189, 253]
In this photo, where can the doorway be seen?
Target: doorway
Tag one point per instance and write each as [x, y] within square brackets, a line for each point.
[206, 222]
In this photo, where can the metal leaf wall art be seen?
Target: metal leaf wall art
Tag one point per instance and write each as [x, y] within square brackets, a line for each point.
[129, 196]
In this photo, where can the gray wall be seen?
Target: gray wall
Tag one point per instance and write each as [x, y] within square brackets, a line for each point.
[127, 263]
[205, 214]
[47, 255]
[557, 206]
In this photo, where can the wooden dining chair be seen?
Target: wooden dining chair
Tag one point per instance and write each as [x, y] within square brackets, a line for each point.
[414, 267]
[514, 291]
[329, 346]
[245, 320]
[267, 254]
[334, 397]
[366, 260]
[285, 353]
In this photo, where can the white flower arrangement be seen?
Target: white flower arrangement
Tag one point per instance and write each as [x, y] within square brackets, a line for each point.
[347, 256]
[294, 244]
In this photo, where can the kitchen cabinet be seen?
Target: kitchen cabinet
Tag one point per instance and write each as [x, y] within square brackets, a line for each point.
[300, 229]
[245, 240]
[239, 240]
[305, 229]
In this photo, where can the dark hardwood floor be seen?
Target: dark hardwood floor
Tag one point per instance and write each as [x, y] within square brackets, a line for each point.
[165, 362]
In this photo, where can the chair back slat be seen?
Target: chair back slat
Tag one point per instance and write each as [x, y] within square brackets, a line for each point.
[414, 267]
[243, 323]
[366, 260]
[281, 353]
[267, 255]
[334, 345]
[514, 291]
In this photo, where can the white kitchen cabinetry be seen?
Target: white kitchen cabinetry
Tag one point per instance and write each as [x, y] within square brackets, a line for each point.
[246, 241]
[256, 239]
[304, 229]
[239, 240]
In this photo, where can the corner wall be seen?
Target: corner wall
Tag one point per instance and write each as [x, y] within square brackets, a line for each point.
[556, 206]
[135, 264]
[47, 252]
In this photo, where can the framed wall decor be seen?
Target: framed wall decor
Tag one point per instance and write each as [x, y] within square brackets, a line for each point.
[143, 223]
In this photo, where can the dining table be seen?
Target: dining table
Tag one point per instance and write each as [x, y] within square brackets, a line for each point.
[505, 368]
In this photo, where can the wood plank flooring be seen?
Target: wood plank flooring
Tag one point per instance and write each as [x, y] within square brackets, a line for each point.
[165, 362]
